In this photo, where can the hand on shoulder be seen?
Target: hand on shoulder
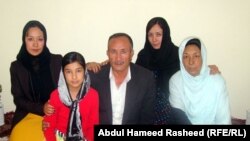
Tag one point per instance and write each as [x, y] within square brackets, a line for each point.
[96, 67]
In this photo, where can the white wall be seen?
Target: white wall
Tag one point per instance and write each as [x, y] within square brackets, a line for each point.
[85, 25]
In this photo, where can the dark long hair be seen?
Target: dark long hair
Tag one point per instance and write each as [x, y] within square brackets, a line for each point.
[73, 57]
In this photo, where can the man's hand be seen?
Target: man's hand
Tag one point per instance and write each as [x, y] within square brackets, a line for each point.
[96, 67]
[214, 69]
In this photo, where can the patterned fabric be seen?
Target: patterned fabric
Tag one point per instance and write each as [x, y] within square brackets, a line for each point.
[74, 125]
[163, 110]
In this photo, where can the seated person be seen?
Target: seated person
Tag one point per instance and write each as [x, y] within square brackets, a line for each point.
[201, 96]
[34, 75]
[76, 104]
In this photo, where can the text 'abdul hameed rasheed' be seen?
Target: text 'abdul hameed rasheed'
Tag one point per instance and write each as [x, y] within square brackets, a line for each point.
[160, 132]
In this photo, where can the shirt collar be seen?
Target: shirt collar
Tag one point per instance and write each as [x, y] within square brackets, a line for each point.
[127, 78]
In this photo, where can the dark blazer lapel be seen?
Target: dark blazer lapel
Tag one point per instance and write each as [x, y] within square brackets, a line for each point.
[129, 102]
[103, 86]
[107, 97]
[130, 96]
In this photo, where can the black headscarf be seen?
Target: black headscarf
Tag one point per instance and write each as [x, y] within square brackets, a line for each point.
[41, 83]
[164, 58]
[164, 62]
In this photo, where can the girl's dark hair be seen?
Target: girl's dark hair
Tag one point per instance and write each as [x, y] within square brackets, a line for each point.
[73, 57]
[194, 41]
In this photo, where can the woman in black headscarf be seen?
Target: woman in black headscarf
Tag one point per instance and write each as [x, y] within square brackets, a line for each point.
[34, 74]
[160, 55]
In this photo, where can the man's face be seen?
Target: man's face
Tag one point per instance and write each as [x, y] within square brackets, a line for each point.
[120, 54]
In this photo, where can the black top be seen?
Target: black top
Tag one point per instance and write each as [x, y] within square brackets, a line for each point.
[163, 62]
[25, 95]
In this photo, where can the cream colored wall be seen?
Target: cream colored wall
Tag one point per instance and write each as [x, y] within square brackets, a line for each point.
[85, 25]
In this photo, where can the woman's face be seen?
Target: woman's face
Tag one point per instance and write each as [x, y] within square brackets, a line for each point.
[155, 36]
[74, 75]
[34, 41]
[192, 59]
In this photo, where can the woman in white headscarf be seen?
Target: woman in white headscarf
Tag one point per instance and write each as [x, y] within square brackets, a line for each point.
[201, 96]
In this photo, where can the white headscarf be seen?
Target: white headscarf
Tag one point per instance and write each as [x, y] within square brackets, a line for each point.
[203, 97]
[194, 83]
[193, 86]
[74, 105]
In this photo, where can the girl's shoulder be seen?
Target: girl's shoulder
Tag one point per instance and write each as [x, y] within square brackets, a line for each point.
[92, 91]
[54, 97]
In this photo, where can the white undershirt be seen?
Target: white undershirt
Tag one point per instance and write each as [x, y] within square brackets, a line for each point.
[118, 97]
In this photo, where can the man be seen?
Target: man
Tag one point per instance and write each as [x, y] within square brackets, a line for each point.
[126, 91]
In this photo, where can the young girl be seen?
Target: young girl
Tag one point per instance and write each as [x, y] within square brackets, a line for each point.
[76, 104]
